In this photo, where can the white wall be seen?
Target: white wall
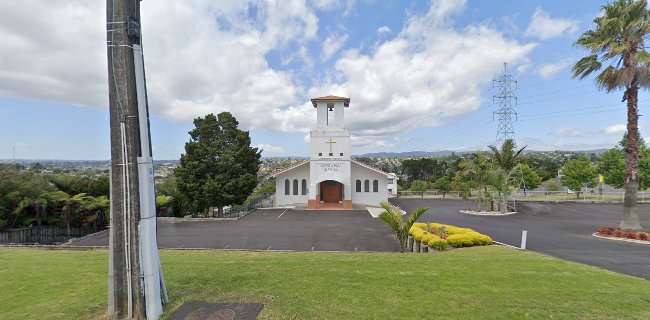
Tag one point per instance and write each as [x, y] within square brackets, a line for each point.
[330, 170]
[392, 186]
[368, 198]
[300, 172]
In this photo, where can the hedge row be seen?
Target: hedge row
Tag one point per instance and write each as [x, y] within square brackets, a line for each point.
[439, 236]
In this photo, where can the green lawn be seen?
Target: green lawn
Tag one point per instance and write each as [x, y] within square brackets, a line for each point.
[487, 282]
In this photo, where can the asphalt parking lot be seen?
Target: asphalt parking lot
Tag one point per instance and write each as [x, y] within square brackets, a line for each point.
[565, 231]
[275, 229]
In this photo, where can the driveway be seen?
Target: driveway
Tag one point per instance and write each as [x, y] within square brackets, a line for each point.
[565, 231]
[275, 230]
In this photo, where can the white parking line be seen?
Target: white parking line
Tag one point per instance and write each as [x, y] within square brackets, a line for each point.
[285, 210]
[269, 248]
[226, 247]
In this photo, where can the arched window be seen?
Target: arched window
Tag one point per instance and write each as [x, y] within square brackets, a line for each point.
[358, 185]
[295, 187]
[304, 187]
[375, 186]
[287, 187]
[366, 186]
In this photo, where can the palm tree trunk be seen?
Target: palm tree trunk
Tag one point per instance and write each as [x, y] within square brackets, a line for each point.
[630, 217]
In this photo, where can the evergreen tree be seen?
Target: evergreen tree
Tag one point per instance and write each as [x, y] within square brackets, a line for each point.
[219, 167]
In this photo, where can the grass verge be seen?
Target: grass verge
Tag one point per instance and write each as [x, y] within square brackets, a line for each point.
[485, 282]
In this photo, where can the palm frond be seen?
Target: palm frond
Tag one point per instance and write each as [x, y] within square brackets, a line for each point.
[415, 215]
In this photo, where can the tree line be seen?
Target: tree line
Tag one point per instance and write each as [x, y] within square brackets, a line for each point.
[31, 198]
[505, 168]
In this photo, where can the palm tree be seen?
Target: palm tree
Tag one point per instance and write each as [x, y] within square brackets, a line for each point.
[95, 209]
[479, 169]
[392, 217]
[72, 205]
[505, 159]
[619, 40]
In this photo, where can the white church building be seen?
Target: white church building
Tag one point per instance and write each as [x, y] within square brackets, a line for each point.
[330, 179]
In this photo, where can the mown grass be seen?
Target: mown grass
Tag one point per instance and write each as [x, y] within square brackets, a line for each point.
[473, 283]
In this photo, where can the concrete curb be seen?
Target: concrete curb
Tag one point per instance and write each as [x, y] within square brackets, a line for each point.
[622, 239]
[180, 220]
[88, 248]
[487, 213]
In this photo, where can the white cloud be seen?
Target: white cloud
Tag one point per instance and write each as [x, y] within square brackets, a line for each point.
[210, 56]
[547, 71]
[383, 30]
[22, 145]
[544, 27]
[566, 132]
[369, 143]
[411, 81]
[327, 4]
[332, 45]
[203, 56]
[615, 130]
[268, 149]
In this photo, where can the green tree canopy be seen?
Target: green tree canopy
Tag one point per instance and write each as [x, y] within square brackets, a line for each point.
[532, 180]
[443, 184]
[219, 167]
[579, 173]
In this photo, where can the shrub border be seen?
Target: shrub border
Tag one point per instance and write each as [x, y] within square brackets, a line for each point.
[595, 234]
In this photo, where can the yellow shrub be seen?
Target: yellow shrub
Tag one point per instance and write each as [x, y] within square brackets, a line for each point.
[420, 225]
[436, 225]
[456, 230]
[426, 238]
[480, 239]
[417, 234]
[437, 243]
[460, 240]
[413, 228]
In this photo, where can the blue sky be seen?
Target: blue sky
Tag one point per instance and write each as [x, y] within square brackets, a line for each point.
[419, 74]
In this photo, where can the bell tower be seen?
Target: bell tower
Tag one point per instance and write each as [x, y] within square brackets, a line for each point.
[330, 140]
[329, 170]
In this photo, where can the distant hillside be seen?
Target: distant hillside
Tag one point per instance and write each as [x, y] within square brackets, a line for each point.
[413, 154]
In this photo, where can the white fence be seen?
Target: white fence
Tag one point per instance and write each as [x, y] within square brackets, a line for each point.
[520, 195]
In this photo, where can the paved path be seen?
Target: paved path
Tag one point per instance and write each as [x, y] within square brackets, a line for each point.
[276, 230]
[564, 232]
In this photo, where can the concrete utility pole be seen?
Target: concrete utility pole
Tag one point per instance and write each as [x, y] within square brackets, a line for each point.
[135, 279]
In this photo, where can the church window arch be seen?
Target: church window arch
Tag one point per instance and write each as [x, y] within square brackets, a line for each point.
[375, 186]
[295, 187]
[287, 187]
[366, 186]
[304, 187]
[358, 185]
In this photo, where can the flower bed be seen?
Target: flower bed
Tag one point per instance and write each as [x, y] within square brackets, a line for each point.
[613, 232]
[440, 237]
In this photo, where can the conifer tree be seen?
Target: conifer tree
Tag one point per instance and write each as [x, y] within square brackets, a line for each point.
[219, 167]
